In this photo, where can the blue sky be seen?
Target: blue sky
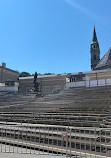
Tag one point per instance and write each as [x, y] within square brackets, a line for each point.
[52, 35]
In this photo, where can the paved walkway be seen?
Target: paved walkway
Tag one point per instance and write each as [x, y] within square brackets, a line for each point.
[7, 151]
[15, 155]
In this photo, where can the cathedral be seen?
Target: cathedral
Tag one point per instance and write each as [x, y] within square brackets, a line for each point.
[96, 62]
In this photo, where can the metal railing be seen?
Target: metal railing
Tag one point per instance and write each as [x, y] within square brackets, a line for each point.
[55, 139]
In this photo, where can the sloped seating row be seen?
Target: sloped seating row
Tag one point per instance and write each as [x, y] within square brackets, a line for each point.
[85, 101]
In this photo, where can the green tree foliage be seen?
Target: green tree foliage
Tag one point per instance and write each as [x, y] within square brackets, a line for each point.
[49, 74]
[24, 74]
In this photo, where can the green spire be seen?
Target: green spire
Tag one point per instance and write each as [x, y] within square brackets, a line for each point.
[94, 38]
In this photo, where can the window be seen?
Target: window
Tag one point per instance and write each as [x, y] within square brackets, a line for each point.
[95, 46]
[94, 56]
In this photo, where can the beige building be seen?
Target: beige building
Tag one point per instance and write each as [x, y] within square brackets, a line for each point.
[7, 74]
[47, 83]
[50, 84]
[99, 74]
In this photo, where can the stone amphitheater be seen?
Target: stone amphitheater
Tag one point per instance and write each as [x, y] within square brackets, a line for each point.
[81, 107]
[75, 122]
[71, 117]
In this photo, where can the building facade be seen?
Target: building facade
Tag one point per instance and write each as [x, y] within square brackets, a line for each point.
[7, 74]
[48, 84]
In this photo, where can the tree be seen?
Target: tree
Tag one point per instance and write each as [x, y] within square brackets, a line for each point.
[24, 74]
[49, 74]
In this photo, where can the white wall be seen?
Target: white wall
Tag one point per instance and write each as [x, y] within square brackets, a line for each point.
[88, 83]
[2, 84]
[102, 82]
[75, 84]
[9, 89]
[108, 81]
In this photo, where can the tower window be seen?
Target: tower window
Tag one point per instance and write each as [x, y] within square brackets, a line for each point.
[94, 46]
[94, 56]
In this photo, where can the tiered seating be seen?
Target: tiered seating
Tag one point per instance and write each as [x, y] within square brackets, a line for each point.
[76, 106]
[10, 99]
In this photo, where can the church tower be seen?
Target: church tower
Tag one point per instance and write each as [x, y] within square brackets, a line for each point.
[94, 50]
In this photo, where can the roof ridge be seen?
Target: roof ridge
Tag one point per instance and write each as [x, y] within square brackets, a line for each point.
[104, 60]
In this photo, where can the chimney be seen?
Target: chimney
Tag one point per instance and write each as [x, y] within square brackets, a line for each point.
[4, 65]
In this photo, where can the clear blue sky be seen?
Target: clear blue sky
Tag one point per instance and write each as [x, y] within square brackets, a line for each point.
[52, 35]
